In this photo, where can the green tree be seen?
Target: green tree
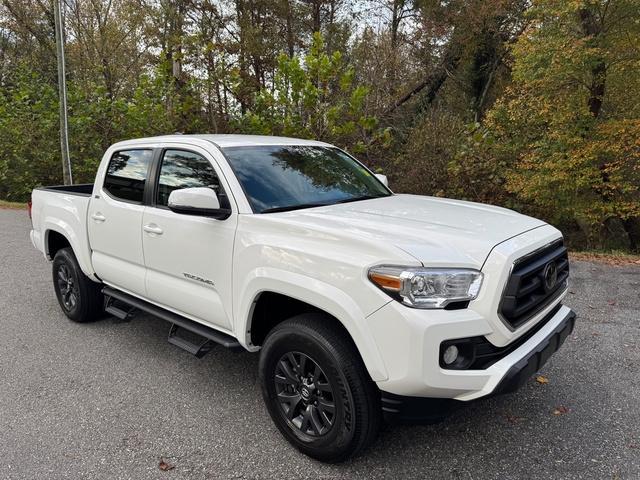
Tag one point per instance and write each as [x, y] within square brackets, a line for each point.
[28, 136]
[314, 97]
[567, 129]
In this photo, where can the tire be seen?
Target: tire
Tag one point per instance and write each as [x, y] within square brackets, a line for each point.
[79, 297]
[339, 390]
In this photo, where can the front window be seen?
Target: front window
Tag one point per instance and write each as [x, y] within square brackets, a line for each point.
[182, 169]
[280, 178]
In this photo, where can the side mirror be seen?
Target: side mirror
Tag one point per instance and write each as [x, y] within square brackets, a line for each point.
[383, 179]
[200, 201]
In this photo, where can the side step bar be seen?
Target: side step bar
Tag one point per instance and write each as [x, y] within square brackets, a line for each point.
[178, 321]
[111, 307]
[198, 347]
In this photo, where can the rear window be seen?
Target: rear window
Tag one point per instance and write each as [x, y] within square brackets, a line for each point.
[127, 173]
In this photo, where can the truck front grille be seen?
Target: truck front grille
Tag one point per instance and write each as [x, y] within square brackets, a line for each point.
[535, 281]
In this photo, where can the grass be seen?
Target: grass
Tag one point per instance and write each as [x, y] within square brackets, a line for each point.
[609, 257]
[13, 205]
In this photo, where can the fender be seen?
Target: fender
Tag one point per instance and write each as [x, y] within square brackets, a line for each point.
[321, 295]
[83, 255]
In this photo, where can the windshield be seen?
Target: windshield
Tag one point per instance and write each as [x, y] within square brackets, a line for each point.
[277, 178]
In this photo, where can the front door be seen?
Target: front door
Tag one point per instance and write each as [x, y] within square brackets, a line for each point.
[188, 258]
[115, 221]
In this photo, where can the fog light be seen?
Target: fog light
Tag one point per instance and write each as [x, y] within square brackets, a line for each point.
[450, 354]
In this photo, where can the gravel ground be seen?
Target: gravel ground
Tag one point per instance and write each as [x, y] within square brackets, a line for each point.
[110, 400]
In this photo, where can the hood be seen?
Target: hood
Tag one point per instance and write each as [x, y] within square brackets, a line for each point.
[436, 231]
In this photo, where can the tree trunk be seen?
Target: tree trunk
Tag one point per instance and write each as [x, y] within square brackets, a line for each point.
[591, 27]
[395, 22]
[290, 38]
[597, 90]
[316, 15]
[632, 226]
[432, 82]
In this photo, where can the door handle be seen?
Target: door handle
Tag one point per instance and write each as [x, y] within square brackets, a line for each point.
[152, 228]
[98, 217]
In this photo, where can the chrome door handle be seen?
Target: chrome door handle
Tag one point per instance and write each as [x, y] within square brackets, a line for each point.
[98, 217]
[152, 228]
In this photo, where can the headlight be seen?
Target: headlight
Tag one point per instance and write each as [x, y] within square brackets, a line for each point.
[420, 287]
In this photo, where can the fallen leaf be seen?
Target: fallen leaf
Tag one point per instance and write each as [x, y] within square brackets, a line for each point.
[513, 418]
[595, 334]
[561, 410]
[572, 292]
[591, 307]
[164, 466]
[542, 379]
[611, 302]
[606, 258]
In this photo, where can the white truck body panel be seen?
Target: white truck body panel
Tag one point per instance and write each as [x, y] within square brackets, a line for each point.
[436, 231]
[65, 214]
[116, 248]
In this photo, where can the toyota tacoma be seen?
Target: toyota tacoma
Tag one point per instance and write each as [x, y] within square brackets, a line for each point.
[365, 305]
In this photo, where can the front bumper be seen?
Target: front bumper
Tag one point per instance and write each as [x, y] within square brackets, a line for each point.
[533, 361]
[411, 349]
[401, 408]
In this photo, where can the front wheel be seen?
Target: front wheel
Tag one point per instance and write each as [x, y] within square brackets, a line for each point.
[79, 297]
[317, 389]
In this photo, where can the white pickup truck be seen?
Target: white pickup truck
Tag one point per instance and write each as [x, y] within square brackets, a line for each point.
[365, 304]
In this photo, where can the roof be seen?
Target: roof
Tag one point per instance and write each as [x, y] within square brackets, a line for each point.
[229, 140]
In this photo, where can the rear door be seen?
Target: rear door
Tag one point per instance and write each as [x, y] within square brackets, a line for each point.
[189, 258]
[115, 220]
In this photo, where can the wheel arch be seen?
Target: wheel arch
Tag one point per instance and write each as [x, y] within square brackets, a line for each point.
[292, 295]
[54, 241]
[58, 236]
[272, 308]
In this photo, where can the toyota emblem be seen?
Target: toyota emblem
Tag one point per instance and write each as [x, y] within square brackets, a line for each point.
[550, 276]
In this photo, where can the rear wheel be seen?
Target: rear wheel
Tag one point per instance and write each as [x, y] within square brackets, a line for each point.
[79, 297]
[317, 389]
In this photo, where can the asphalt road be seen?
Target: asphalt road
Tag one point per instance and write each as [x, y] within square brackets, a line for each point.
[110, 400]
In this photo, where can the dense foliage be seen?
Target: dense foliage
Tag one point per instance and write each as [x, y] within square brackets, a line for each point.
[533, 105]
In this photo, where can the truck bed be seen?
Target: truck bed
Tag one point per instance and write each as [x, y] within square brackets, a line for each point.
[63, 209]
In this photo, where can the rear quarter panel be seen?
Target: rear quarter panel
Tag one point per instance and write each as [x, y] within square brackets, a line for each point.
[66, 214]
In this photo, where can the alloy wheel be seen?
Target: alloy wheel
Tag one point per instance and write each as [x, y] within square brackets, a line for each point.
[305, 394]
[68, 288]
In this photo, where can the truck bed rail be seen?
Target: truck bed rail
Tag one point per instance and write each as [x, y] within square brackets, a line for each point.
[83, 189]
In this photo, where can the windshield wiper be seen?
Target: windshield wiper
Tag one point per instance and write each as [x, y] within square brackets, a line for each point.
[293, 207]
